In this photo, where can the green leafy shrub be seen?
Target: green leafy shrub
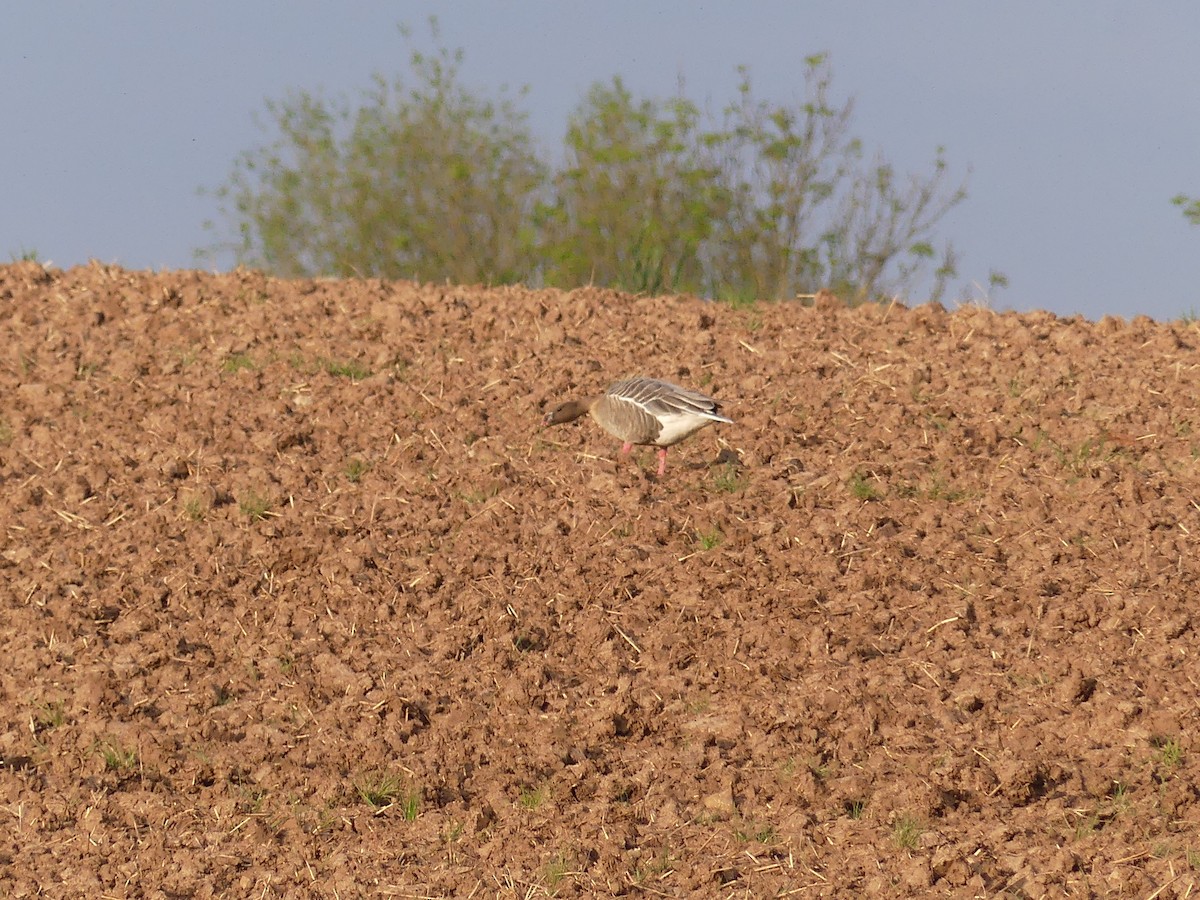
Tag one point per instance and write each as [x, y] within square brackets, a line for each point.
[420, 177]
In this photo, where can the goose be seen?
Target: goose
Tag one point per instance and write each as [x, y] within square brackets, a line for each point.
[644, 411]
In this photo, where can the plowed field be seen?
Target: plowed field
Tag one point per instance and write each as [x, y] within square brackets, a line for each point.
[300, 600]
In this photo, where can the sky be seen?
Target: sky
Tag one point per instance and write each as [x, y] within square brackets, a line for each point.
[1077, 120]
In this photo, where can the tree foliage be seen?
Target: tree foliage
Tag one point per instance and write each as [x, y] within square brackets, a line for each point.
[425, 181]
[806, 212]
[633, 205]
[423, 178]
[1190, 207]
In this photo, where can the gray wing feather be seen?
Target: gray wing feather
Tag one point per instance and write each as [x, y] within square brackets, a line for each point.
[658, 397]
[626, 419]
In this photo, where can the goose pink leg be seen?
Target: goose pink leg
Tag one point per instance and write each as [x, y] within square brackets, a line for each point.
[625, 448]
[662, 462]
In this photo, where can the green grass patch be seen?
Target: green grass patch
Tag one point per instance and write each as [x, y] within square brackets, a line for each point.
[352, 368]
[236, 362]
[762, 834]
[1119, 795]
[410, 806]
[117, 758]
[254, 506]
[558, 868]
[709, 539]
[49, 715]
[935, 487]
[382, 790]
[1087, 826]
[355, 470]
[861, 487]
[730, 480]
[907, 832]
[939, 489]
[1169, 752]
[194, 508]
[1082, 460]
[532, 798]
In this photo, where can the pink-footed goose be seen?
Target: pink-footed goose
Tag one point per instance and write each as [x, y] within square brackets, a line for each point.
[644, 411]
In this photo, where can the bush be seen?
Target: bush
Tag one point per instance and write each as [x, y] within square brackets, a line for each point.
[428, 180]
[634, 204]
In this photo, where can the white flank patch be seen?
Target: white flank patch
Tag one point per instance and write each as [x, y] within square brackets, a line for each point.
[677, 426]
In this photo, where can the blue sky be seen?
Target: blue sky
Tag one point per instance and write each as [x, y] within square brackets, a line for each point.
[1078, 120]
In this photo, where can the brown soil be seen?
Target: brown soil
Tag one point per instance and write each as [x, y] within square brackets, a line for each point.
[300, 601]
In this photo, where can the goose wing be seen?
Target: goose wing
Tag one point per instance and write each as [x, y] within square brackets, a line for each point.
[662, 399]
[627, 419]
